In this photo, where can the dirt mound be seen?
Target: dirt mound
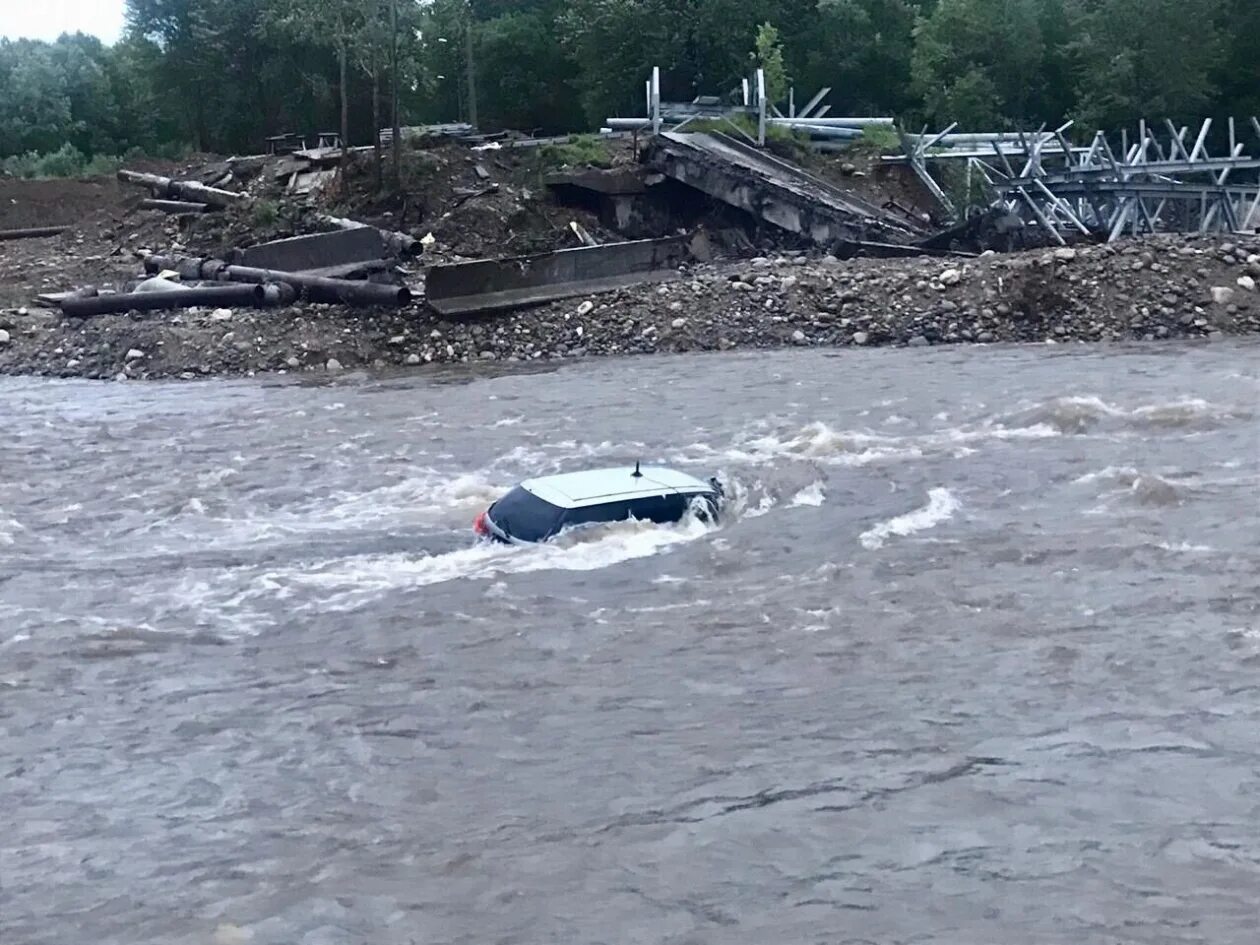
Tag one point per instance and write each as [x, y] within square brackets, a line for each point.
[30, 203]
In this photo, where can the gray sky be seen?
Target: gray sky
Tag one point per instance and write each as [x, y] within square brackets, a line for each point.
[48, 19]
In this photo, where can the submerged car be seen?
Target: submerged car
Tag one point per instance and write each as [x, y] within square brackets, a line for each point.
[540, 509]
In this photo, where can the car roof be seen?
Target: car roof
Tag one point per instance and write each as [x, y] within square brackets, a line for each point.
[596, 486]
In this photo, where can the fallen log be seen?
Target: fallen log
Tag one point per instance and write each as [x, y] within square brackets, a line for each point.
[255, 296]
[173, 206]
[182, 189]
[309, 287]
[33, 233]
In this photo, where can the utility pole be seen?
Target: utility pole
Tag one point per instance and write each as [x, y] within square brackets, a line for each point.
[393, 76]
[469, 55]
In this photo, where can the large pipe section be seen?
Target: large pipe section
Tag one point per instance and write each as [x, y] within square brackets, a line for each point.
[311, 288]
[30, 234]
[182, 189]
[172, 206]
[255, 296]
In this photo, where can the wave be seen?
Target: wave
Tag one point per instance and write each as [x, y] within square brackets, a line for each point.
[1145, 488]
[351, 582]
[812, 495]
[940, 508]
[1077, 415]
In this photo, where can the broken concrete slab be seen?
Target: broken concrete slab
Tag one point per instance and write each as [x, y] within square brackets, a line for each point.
[496, 285]
[776, 191]
[619, 180]
[316, 251]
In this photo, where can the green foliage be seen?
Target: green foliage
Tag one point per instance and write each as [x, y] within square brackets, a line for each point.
[768, 55]
[1150, 58]
[578, 151]
[983, 63]
[222, 75]
[880, 139]
[66, 161]
[747, 125]
[264, 214]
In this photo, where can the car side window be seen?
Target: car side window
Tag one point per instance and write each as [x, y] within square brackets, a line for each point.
[591, 514]
[660, 509]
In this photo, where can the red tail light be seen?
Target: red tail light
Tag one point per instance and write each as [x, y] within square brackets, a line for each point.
[480, 526]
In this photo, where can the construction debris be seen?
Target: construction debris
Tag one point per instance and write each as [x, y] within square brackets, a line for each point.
[30, 234]
[309, 287]
[173, 206]
[316, 251]
[188, 190]
[774, 190]
[1156, 184]
[496, 285]
[256, 296]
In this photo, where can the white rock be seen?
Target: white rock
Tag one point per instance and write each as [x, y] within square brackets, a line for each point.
[4, 337]
[798, 337]
[72, 364]
[579, 331]
[413, 359]
[221, 315]
[950, 277]
[135, 354]
[23, 311]
[585, 308]
[293, 363]
[678, 323]
[398, 341]
[435, 334]
[333, 364]
[1065, 254]
[1222, 294]
[1248, 283]
[861, 337]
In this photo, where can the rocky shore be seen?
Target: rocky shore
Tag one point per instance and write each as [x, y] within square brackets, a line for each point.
[1156, 288]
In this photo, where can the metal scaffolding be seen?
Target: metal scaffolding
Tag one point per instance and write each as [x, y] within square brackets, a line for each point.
[1158, 183]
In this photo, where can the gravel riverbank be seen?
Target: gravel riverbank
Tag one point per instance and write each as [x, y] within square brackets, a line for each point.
[1155, 288]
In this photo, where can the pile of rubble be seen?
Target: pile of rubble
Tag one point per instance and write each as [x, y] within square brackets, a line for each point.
[1157, 288]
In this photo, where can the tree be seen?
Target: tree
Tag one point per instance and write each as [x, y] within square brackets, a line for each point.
[983, 63]
[862, 48]
[767, 55]
[1147, 58]
[529, 88]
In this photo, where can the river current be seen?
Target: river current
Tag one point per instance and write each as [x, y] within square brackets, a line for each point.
[973, 657]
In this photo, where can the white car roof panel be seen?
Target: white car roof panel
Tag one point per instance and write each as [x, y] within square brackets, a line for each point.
[597, 486]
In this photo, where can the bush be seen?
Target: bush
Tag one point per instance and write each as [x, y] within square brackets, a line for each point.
[66, 161]
[881, 138]
[265, 213]
[578, 151]
[748, 125]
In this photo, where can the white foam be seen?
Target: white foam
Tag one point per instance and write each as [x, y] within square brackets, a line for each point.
[353, 581]
[1185, 547]
[812, 495]
[1126, 475]
[940, 508]
[9, 527]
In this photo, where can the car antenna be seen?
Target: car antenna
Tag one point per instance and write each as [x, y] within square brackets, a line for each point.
[637, 473]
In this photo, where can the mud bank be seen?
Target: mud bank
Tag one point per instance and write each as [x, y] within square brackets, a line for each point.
[1156, 288]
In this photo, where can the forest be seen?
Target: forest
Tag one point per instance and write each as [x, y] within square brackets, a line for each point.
[221, 75]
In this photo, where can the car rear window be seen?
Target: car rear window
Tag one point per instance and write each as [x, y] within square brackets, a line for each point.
[522, 515]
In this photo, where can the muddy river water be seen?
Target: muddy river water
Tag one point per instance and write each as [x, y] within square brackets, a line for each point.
[973, 658]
